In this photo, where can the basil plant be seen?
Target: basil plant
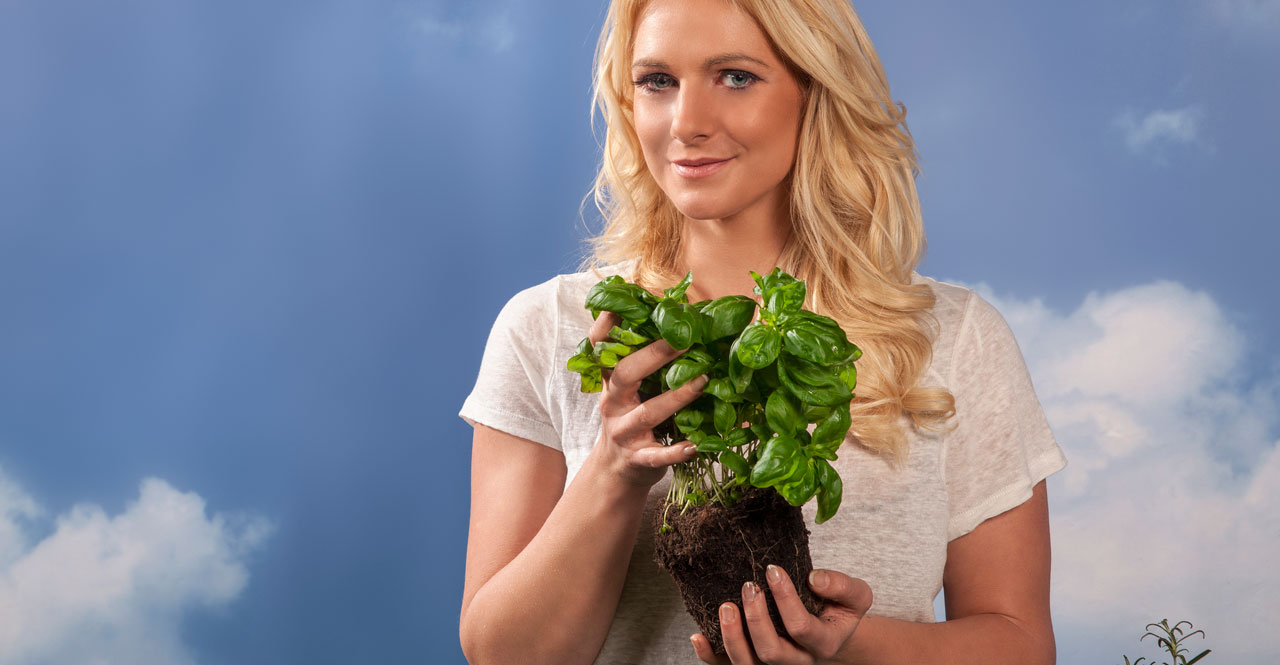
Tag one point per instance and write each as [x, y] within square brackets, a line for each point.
[769, 380]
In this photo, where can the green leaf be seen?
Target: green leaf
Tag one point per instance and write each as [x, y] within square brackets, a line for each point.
[815, 338]
[688, 366]
[610, 352]
[725, 417]
[785, 297]
[627, 336]
[678, 323]
[735, 463]
[779, 458]
[783, 413]
[801, 487]
[620, 298]
[728, 315]
[688, 420]
[739, 436]
[584, 360]
[812, 383]
[830, 432]
[739, 374]
[711, 444]
[592, 380]
[677, 292]
[759, 345]
[830, 490]
[849, 376]
[722, 390]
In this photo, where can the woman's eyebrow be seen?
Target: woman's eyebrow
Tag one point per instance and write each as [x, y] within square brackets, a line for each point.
[709, 64]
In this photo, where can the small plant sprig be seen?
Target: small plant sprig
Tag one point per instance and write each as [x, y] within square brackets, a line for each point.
[768, 381]
[1170, 639]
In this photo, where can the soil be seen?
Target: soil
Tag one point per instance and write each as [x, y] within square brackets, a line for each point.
[712, 550]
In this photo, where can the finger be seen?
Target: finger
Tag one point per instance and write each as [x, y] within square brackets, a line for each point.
[819, 637]
[769, 646]
[702, 647]
[735, 641]
[629, 371]
[851, 595]
[653, 411]
[660, 456]
[604, 323]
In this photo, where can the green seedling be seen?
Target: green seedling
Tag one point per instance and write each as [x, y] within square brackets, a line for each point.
[1170, 639]
[769, 380]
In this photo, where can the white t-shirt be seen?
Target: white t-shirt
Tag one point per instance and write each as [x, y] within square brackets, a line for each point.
[892, 527]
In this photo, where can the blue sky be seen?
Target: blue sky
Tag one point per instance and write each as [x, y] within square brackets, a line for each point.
[249, 252]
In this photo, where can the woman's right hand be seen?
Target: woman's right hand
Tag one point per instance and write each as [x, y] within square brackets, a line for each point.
[626, 435]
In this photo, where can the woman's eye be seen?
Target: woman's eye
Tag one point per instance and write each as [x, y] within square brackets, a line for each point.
[740, 80]
[653, 82]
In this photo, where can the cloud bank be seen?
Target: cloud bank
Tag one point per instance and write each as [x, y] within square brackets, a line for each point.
[1170, 504]
[114, 589]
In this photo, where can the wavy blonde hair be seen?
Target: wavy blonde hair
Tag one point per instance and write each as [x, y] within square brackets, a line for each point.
[856, 228]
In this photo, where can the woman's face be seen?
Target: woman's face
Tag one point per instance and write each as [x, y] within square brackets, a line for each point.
[709, 87]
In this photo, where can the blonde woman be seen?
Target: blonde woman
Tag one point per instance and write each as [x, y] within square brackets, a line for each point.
[744, 134]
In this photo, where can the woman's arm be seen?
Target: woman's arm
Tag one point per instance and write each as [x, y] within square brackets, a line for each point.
[997, 595]
[545, 568]
[544, 571]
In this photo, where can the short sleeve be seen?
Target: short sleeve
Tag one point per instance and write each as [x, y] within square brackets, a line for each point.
[511, 391]
[1002, 445]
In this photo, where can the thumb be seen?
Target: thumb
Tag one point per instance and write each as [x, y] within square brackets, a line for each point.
[850, 592]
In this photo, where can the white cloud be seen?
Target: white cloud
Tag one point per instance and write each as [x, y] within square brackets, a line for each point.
[495, 32]
[1160, 128]
[113, 589]
[1170, 504]
[1255, 17]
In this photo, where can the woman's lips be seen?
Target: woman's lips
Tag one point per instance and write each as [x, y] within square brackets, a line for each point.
[699, 171]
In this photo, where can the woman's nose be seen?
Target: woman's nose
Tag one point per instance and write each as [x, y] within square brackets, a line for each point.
[694, 115]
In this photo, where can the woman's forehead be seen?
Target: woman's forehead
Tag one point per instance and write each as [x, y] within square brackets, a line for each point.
[697, 33]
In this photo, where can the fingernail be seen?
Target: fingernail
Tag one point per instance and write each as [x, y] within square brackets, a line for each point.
[774, 573]
[818, 579]
[700, 382]
[690, 448]
[726, 613]
[749, 591]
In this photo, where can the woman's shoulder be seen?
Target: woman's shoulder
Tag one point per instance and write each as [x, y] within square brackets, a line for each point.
[554, 298]
[951, 301]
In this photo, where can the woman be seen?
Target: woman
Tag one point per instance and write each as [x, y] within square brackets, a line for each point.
[744, 135]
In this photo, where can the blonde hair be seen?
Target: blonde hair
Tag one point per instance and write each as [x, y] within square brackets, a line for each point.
[857, 233]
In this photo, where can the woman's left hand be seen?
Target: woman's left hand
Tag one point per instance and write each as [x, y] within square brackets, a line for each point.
[815, 639]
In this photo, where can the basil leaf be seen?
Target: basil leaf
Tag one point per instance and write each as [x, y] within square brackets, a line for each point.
[722, 390]
[711, 444]
[678, 323]
[783, 414]
[811, 383]
[627, 336]
[759, 345]
[677, 292]
[592, 380]
[693, 363]
[688, 420]
[739, 374]
[606, 297]
[800, 489]
[728, 315]
[735, 463]
[725, 417]
[739, 437]
[779, 458]
[849, 376]
[830, 432]
[610, 352]
[815, 338]
[830, 490]
[785, 297]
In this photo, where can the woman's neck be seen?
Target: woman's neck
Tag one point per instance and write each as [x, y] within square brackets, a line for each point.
[721, 252]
